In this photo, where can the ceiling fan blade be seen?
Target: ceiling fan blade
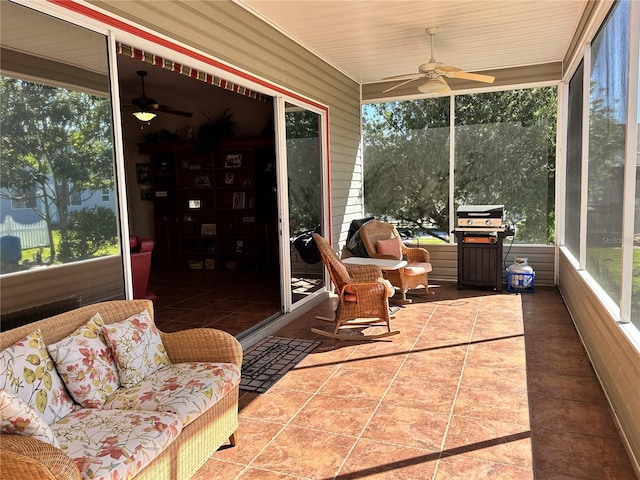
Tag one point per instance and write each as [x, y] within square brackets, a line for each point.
[166, 109]
[401, 84]
[476, 77]
[446, 87]
[404, 76]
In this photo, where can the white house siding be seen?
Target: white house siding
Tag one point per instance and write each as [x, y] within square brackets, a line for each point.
[230, 33]
[612, 355]
[444, 260]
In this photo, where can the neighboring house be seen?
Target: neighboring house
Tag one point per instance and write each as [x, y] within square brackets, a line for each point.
[24, 211]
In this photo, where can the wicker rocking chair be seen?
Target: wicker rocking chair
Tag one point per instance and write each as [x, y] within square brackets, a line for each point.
[363, 296]
[382, 240]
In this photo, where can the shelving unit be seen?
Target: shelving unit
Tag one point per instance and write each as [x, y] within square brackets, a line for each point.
[196, 210]
[206, 204]
[236, 213]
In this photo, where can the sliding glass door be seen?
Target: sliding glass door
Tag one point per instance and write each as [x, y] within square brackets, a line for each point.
[304, 187]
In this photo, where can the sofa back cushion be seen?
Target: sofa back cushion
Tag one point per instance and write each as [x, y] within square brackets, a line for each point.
[137, 348]
[27, 371]
[86, 364]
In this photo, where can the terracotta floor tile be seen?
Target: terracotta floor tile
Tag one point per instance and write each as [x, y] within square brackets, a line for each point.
[465, 345]
[443, 336]
[259, 474]
[506, 352]
[495, 378]
[543, 385]
[561, 363]
[466, 468]
[441, 354]
[357, 383]
[280, 406]
[383, 461]
[568, 454]
[419, 391]
[346, 416]
[305, 452]
[414, 427]
[616, 461]
[490, 440]
[253, 436]
[496, 330]
[266, 308]
[306, 378]
[569, 416]
[502, 406]
[215, 468]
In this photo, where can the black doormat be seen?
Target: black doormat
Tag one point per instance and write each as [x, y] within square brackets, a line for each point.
[267, 361]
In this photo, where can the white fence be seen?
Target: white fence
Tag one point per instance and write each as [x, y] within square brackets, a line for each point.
[31, 235]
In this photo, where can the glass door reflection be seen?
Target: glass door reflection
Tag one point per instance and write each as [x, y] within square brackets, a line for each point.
[304, 179]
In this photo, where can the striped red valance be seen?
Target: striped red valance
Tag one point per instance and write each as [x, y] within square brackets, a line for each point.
[188, 71]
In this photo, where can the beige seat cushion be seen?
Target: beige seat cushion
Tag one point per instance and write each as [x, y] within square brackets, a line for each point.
[417, 268]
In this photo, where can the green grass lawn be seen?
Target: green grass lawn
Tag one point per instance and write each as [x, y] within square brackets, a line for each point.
[29, 254]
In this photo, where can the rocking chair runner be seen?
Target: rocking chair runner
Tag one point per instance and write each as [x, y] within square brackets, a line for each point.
[382, 240]
[362, 292]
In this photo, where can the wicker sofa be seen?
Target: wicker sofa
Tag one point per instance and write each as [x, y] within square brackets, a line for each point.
[26, 457]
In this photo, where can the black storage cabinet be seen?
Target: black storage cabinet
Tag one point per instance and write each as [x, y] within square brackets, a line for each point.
[480, 264]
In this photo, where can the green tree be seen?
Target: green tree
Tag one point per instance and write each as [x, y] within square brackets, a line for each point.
[504, 154]
[406, 161]
[55, 143]
[303, 170]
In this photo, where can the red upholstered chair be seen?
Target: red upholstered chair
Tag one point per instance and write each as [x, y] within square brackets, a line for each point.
[141, 251]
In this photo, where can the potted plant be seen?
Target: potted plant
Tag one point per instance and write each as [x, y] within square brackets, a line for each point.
[220, 126]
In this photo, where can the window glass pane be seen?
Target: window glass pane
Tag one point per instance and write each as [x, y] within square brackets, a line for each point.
[57, 146]
[607, 120]
[505, 155]
[635, 296]
[574, 163]
[406, 166]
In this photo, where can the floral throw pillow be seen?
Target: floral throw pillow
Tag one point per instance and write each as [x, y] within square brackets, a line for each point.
[27, 371]
[16, 417]
[86, 364]
[137, 348]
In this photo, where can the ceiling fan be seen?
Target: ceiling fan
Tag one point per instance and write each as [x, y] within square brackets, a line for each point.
[435, 73]
[147, 108]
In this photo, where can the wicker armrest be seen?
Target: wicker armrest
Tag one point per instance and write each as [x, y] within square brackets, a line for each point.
[365, 291]
[27, 458]
[416, 254]
[364, 273]
[202, 345]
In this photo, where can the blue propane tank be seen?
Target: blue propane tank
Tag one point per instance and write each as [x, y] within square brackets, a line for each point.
[521, 273]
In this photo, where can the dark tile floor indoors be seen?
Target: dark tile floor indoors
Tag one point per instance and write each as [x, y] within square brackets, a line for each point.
[478, 384]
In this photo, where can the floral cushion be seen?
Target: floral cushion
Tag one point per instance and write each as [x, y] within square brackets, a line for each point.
[187, 389]
[137, 348]
[27, 371]
[86, 364]
[115, 444]
[18, 418]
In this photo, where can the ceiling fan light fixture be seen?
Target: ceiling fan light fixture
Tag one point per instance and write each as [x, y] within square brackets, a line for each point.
[144, 116]
[432, 87]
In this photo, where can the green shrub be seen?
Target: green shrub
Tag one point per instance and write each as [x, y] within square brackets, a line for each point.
[88, 231]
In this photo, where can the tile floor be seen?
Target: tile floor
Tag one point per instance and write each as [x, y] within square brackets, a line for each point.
[477, 385]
